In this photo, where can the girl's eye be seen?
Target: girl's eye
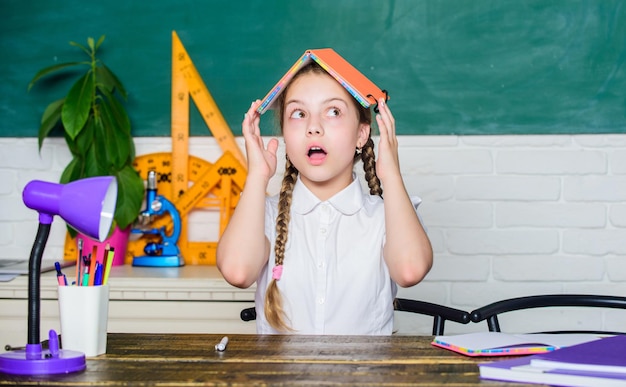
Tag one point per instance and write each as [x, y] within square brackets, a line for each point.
[334, 112]
[297, 114]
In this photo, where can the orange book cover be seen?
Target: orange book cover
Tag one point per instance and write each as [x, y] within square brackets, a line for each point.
[357, 84]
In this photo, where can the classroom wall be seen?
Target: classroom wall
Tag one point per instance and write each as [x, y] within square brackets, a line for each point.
[507, 215]
[542, 211]
[455, 67]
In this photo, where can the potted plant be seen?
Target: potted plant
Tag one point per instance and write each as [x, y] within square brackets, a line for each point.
[97, 130]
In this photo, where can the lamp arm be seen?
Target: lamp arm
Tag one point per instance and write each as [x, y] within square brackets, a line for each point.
[34, 277]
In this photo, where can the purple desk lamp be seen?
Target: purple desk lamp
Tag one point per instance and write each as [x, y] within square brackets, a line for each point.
[88, 206]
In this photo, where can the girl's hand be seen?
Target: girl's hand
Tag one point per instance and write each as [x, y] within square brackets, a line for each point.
[388, 164]
[261, 160]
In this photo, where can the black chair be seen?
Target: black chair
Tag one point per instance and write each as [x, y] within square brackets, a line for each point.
[248, 314]
[440, 313]
[490, 312]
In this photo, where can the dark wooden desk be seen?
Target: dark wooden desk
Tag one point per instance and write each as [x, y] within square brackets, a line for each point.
[191, 360]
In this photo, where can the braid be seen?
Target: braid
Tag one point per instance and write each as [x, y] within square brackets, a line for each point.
[369, 166]
[274, 312]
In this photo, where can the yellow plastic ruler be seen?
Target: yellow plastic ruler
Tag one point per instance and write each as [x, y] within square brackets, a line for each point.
[187, 81]
[187, 181]
[180, 118]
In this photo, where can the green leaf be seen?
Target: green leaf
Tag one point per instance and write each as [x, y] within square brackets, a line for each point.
[121, 121]
[130, 194]
[91, 44]
[121, 149]
[92, 164]
[52, 69]
[73, 171]
[81, 47]
[77, 105]
[52, 109]
[110, 81]
[106, 152]
[80, 144]
[71, 144]
[50, 118]
[100, 40]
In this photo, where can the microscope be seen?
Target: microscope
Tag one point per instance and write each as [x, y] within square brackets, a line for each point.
[164, 252]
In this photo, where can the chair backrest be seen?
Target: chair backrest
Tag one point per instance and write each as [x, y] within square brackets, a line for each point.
[491, 311]
[440, 313]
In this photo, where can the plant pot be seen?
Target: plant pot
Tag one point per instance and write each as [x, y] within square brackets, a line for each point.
[118, 241]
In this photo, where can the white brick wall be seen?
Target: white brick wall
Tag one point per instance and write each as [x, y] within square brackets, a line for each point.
[507, 215]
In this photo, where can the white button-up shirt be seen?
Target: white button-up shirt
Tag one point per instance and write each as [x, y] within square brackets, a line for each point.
[335, 280]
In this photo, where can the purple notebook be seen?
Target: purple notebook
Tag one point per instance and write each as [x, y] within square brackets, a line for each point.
[520, 370]
[605, 355]
[579, 365]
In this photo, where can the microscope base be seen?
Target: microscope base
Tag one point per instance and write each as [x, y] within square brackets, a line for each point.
[159, 261]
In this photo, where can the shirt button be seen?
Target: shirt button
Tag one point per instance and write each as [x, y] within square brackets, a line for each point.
[322, 231]
[320, 300]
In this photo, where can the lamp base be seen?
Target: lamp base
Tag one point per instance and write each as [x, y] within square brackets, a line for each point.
[35, 361]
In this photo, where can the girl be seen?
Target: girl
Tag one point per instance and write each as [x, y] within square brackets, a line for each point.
[326, 256]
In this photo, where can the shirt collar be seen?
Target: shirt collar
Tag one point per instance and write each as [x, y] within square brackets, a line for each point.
[347, 201]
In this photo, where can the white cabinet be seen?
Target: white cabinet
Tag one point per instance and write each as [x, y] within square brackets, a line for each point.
[189, 299]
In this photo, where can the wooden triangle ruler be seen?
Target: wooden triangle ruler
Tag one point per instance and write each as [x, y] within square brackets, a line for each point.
[186, 81]
[194, 185]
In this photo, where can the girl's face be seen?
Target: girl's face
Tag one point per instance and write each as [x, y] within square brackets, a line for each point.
[321, 130]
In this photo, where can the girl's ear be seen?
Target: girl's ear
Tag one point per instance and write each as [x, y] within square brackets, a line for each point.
[364, 134]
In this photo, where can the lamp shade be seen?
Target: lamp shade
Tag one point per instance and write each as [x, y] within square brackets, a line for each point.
[87, 205]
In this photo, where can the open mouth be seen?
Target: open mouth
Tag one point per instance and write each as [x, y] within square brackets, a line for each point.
[316, 153]
[316, 150]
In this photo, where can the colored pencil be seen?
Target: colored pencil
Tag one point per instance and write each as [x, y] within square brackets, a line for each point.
[92, 266]
[109, 263]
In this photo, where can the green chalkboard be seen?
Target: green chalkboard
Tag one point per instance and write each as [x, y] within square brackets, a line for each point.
[451, 66]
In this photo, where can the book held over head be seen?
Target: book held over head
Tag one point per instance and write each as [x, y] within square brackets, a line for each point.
[357, 84]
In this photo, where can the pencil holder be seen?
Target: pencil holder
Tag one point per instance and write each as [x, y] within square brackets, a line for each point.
[84, 313]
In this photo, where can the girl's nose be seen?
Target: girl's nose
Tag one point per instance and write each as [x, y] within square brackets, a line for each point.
[314, 128]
